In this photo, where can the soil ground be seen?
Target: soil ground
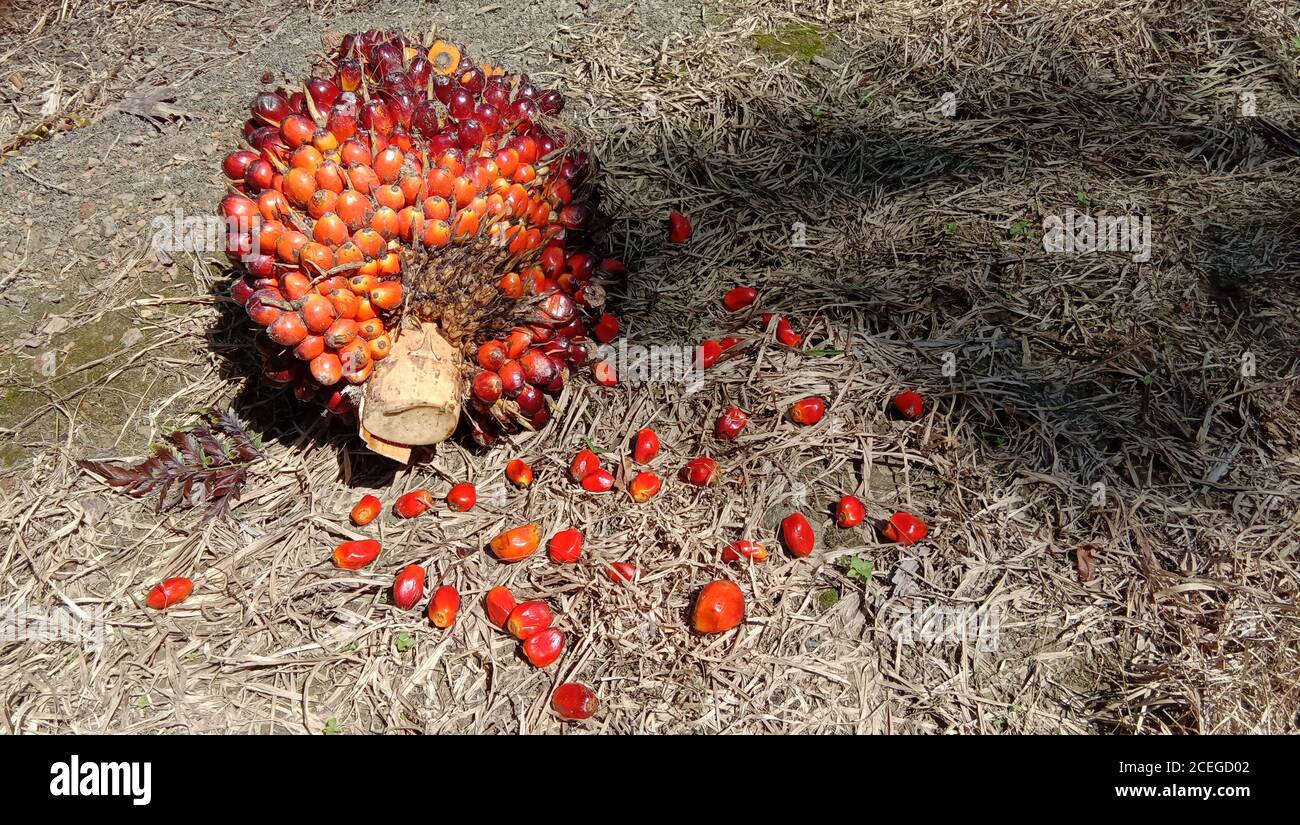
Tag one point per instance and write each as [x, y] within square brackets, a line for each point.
[1108, 460]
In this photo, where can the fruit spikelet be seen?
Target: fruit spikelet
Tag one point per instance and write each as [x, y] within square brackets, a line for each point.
[416, 229]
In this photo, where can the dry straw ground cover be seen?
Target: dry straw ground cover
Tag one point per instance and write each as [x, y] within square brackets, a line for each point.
[1108, 461]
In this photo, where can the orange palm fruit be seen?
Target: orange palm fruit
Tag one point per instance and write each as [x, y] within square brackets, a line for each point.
[519, 473]
[366, 510]
[517, 543]
[644, 487]
[719, 607]
[744, 549]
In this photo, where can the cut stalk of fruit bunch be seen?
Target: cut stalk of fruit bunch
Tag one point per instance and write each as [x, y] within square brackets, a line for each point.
[423, 227]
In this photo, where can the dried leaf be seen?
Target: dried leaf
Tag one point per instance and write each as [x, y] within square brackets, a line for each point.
[207, 463]
[153, 103]
[1085, 562]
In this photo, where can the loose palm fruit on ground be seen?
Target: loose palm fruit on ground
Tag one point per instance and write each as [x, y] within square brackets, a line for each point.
[850, 512]
[169, 592]
[499, 602]
[644, 487]
[797, 534]
[448, 198]
[462, 496]
[408, 588]
[584, 464]
[444, 606]
[366, 511]
[645, 446]
[413, 503]
[709, 353]
[719, 607]
[904, 528]
[544, 648]
[599, 481]
[730, 423]
[518, 543]
[744, 549]
[566, 546]
[807, 410]
[354, 555]
[519, 473]
[702, 471]
[679, 227]
[739, 298]
[909, 404]
[785, 331]
[622, 571]
[574, 701]
[529, 618]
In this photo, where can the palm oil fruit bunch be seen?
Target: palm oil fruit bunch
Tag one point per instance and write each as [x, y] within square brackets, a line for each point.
[416, 229]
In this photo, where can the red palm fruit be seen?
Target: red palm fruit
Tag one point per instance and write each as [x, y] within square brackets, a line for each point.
[807, 410]
[236, 163]
[444, 606]
[604, 374]
[354, 555]
[797, 534]
[462, 496]
[645, 446]
[519, 473]
[709, 353]
[744, 549]
[529, 618]
[730, 423]
[622, 571]
[539, 369]
[584, 464]
[679, 227]
[702, 471]
[492, 355]
[606, 328]
[517, 543]
[566, 546]
[543, 649]
[904, 528]
[487, 386]
[850, 512]
[909, 404]
[719, 607]
[366, 511]
[500, 603]
[413, 503]
[785, 331]
[598, 481]
[644, 487]
[574, 701]
[169, 592]
[739, 298]
[408, 587]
